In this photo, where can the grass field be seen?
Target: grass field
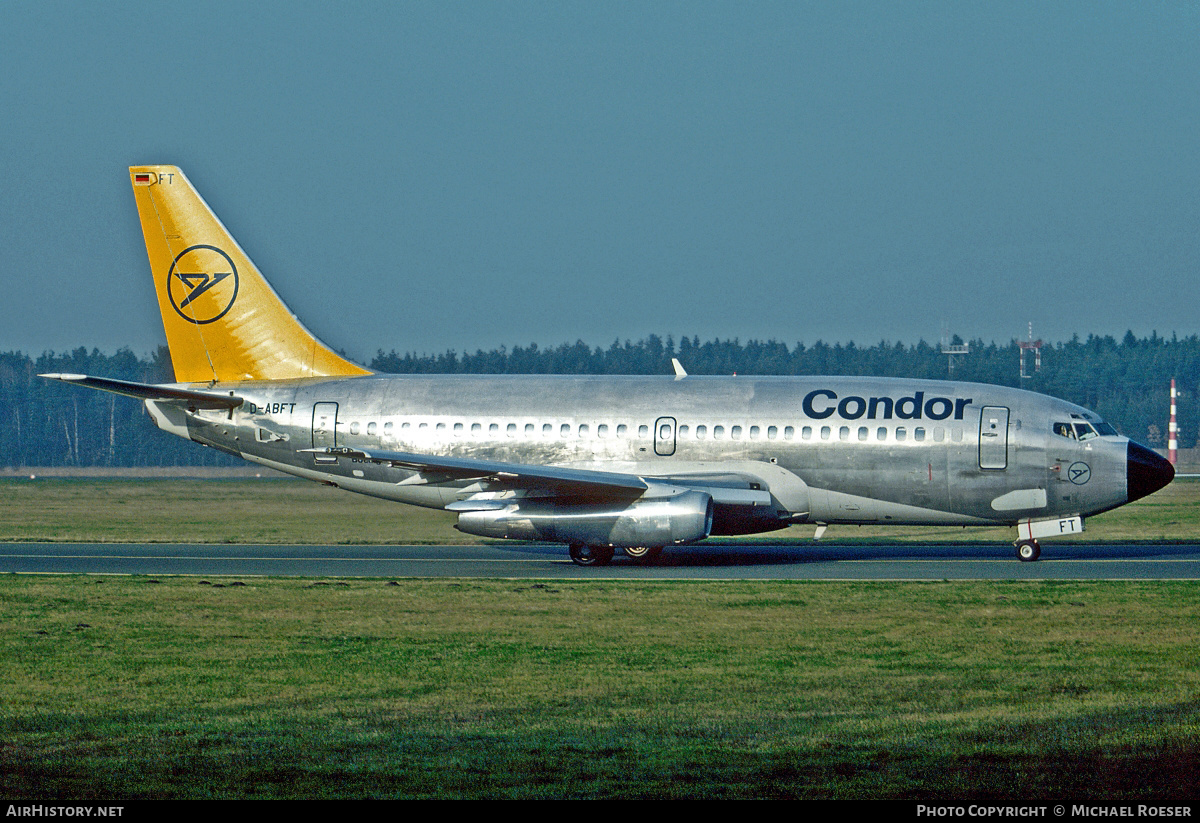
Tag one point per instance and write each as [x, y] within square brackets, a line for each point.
[288, 510]
[130, 687]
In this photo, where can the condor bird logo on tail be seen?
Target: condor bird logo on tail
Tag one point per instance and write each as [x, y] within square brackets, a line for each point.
[198, 271]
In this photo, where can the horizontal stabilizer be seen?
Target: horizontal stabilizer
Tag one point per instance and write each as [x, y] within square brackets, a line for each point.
[149, 391]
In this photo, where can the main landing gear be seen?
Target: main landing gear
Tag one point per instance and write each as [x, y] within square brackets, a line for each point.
[647, 554]
[1028, 550]
[583, 555]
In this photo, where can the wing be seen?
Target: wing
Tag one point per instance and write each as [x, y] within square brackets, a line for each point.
[560, 481]
[554, 479]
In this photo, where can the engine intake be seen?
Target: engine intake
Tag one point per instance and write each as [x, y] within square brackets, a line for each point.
[683, 518]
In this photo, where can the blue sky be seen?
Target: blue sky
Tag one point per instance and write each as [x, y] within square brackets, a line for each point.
[426, 176]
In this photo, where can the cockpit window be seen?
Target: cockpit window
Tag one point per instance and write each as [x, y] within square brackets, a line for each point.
[1079, 429]
[1102, 428]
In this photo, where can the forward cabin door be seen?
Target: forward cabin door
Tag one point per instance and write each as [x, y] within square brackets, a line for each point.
[324, 429]
[993, 438]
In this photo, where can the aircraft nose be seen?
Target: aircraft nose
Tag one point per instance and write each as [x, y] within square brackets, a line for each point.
[1146, 472]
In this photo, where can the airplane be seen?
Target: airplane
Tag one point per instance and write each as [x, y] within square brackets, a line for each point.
[603, 463]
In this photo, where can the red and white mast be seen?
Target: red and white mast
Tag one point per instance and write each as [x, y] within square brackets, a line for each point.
[1172, 430]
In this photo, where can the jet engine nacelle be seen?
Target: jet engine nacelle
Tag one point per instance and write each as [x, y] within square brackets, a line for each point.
[682, 518]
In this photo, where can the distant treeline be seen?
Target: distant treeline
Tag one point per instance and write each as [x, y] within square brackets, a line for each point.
[46, 423]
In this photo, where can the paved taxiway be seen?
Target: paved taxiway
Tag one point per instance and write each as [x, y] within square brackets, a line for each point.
[707, 561]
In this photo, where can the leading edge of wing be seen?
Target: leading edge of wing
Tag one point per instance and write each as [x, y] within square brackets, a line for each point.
[558, 478]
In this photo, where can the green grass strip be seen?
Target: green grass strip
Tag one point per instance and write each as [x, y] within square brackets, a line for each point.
[127, 687]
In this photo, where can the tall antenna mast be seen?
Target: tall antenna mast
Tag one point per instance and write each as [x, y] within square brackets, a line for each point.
[1172, 429]
[951, 349]
[1036, 346]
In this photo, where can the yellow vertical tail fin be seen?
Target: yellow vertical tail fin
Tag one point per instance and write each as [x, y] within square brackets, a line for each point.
[223, 320]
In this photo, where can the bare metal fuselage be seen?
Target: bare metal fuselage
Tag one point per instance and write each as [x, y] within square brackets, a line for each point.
[827, 449]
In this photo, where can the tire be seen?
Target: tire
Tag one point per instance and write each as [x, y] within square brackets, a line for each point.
[582, 555]
[1028, 551]
[647, 554]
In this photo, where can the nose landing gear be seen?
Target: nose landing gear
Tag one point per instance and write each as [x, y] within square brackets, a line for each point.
[1028, 550]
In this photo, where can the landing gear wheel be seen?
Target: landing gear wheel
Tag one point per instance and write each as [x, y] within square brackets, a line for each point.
[591, 555]
[1028, 550]
[647, 554]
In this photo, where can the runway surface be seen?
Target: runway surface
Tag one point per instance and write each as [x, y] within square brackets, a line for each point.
[709, 561]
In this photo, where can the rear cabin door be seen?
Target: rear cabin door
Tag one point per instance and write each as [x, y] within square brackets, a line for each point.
[993, 438]
[324, 429]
